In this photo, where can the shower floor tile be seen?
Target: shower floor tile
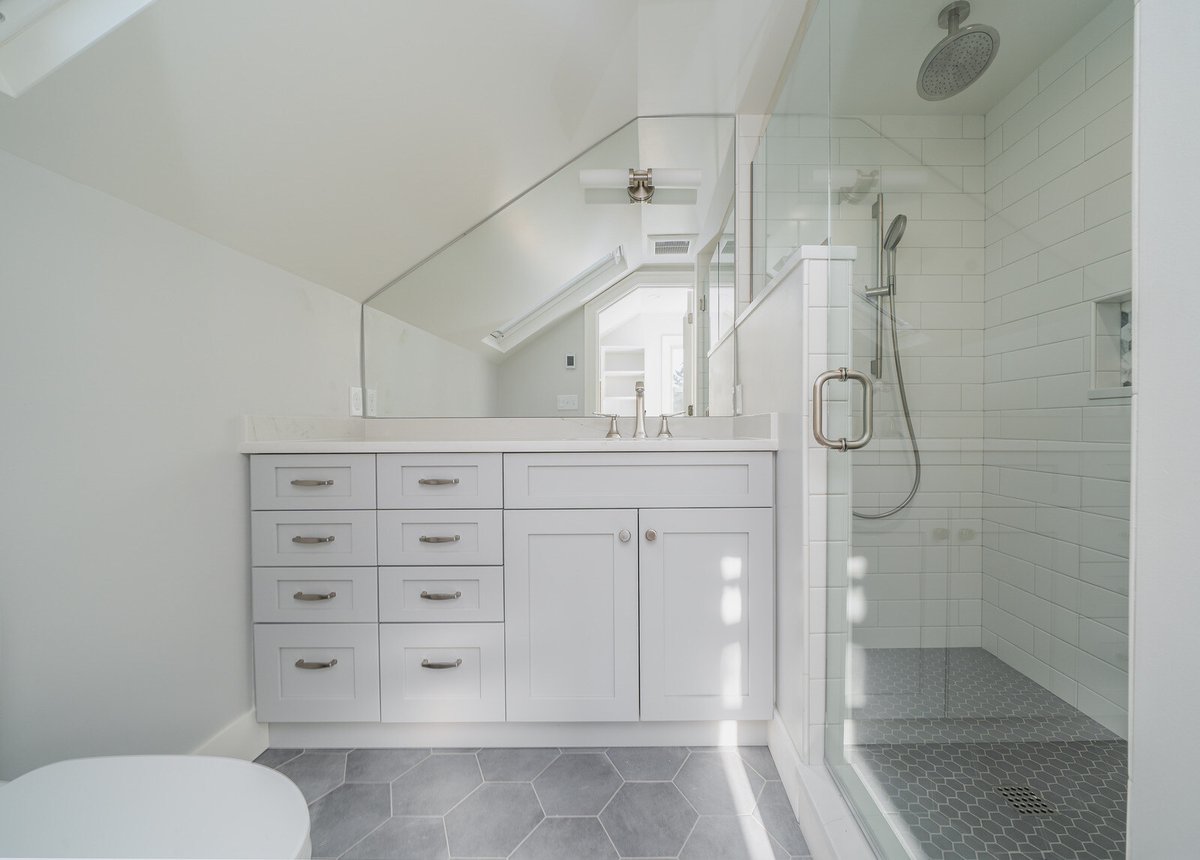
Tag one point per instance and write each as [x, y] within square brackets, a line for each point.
[937, 735]
[498, 803]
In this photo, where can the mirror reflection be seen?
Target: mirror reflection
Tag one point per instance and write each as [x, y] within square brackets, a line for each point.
[617, 269]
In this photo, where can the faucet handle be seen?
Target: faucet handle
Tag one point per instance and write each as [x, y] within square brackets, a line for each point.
[664, 432]
[612, 433]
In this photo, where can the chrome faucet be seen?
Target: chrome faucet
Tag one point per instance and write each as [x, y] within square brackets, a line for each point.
[639, 410]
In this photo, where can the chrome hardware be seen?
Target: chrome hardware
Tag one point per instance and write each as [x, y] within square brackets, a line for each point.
[298, 539]
[623, 535]
[310, 482]
[843, 374]
[300, 595]
[651, 535]
[301, 664]
[639, 409]
[425, 595]
[613, 432]
[440, 538]
[447, 664]
[437, 482]
[664, 432]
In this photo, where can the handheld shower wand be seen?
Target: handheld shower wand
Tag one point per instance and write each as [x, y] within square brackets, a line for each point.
[887, 290]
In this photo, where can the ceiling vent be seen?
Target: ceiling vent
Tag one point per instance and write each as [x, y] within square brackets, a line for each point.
[670, 246]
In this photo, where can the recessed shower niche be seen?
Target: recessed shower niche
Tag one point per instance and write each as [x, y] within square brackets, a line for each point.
[1112, 347]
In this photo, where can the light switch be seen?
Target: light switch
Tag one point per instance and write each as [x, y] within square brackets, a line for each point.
[372, 402]
[567, 402]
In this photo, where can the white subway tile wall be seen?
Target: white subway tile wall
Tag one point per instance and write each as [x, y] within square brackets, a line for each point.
[1055, 501]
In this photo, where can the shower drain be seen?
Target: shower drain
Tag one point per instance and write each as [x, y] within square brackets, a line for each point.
[1025, 800]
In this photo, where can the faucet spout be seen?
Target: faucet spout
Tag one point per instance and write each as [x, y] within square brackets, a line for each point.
[639, 410]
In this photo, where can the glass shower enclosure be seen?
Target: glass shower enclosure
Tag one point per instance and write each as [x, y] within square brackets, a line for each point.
[970, 522]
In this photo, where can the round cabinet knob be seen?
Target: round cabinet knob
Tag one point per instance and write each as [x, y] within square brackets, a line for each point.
[624, 535]
[651, 534]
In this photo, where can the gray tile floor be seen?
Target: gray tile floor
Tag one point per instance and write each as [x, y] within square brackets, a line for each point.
[941, 732]
[544, 804]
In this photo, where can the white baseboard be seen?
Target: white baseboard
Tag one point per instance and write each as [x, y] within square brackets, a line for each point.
[338, 735]
[826, 819]
[244, 738]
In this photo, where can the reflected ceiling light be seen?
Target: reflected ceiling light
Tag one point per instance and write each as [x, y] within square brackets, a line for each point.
[613, 258]
[640, 182]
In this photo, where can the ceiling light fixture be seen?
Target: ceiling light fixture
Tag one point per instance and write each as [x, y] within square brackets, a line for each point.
[640, 183]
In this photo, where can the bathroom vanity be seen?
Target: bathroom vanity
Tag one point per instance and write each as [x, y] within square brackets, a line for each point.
[611, 582]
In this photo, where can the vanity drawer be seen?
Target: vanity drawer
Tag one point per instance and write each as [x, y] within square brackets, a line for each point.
[441, 594]
[315, 594]
[316, 672]
[441, 672]
[441, 537]
[639, 480]
[287, 482]
[312, 538]
[440, 480]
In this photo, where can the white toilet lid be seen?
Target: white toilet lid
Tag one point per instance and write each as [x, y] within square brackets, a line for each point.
[153, 806]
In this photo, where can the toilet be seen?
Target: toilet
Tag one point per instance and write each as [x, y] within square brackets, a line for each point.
[177, 806]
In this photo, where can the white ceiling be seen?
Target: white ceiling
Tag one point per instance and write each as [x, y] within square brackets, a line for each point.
[346, 142]
[879, 45]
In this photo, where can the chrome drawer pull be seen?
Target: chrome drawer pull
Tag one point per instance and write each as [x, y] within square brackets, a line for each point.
[440, 539]
[310, 482]
[425, 664]
[300, 595]
[437, 482]
[301, 664]
[425, 595]
[298, 539]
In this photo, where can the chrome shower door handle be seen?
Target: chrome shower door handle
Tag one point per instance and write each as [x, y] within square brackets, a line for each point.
[843, 374]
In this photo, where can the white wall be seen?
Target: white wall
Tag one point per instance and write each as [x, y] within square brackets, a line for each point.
[535, 373]
[131, 346]
[1056, 466]
[417, 374]
[1166, 686]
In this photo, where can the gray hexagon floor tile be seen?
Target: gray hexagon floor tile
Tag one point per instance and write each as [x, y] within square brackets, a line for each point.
[760, 759]
[346, 815]
[435, 785]
[493, 820]
[774, 811]
[275, 757]
[382, 765]
[316, 773]
[648, 819]
[719, 783]
[730, 837]
[514, 765]
[403, 839]
[577, 784]
[648, 763]
[558, 838]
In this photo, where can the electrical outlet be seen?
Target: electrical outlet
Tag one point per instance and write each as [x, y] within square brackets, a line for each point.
[737, 399]
[372, 402]
[356, 402]
[567, 402]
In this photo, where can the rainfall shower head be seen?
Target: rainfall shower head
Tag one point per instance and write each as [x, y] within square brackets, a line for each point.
[895, 233]
[958, 60]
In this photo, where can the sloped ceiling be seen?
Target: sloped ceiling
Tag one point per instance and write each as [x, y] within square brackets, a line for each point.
[346, 141]
[342, 142]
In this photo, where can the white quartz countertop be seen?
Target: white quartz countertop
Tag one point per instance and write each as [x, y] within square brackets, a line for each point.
[274, 435]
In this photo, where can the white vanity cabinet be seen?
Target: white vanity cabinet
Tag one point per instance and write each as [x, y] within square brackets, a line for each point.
[571, 626]
[585, 587]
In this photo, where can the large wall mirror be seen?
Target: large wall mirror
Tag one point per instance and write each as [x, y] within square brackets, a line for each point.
[559, 303]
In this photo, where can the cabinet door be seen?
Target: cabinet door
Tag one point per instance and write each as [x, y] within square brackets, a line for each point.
[571, 619]
[707, 582]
